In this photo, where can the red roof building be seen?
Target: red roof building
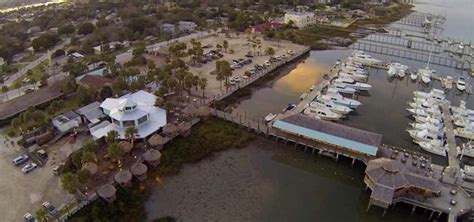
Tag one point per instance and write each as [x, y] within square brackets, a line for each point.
[95, 81]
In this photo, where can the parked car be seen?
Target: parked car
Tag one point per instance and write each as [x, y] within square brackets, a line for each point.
[249, 55]
[29, 167]
[268, 63]
[29, 218]
[20, 160]
[50, 208]
[29, 90]
[42, 154]
[290, 52]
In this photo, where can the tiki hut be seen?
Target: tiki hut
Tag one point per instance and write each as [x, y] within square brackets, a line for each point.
[126, 146]
[107, 192]
[91, 168]
[170, 130]
[190, 110]
[124, 178]
[152, 157]
[157, 141]
[184, 128]
[139, 171]
[203, 112]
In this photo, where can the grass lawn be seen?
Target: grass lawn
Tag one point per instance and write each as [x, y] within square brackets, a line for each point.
[38, 73]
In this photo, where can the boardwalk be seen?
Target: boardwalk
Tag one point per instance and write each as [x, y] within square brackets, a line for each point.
[448, 123]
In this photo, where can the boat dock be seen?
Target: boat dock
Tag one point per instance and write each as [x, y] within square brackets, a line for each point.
[450, 137]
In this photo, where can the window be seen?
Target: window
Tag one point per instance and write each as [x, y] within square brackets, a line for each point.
[128, 123]
[116, 122]
[142, 120]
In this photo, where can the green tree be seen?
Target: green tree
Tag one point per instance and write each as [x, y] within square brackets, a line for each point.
[69, 182]
[270, 51]
[203, 85]
[66, 29]
[5, 90]
[159, 102]
[111, 137]
[225, 45]
[41, 215]
[85, 28]
[83, 175]
[131, 133]
[115, 151]
[88, 157]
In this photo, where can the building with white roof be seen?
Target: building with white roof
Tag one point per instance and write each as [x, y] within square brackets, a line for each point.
[300, 19]
[132, 110]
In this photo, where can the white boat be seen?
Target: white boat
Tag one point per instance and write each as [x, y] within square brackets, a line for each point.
[312, 88]
[413, 76]
[355, 76]
[289, 107]
[469, 170]
[341, 88]
[340, 100]
[427, 100]
[423, 112]
[348, 82]
[435, 129]
[447, 82]
[322, 113]
[354, 70]
[467, 149]
[422, 136]
[363, 58]
[425, 74]
[339, 109]
[270, 117]
[461, 84]
[466, 133]
[396, 68]
[392, 71]
[432, 94]
[434, 147]
[427, 119]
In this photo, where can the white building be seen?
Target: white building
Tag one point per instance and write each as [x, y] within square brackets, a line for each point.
[186, 26]
[132, 110]
[67, 121]
[301, 19]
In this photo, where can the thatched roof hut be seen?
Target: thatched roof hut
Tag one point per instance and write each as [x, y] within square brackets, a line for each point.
[139, 170]
[203, 112]
[91, 168]
[123, 177]
[184, 128]
[126, 146]
[157, 140]
[170, 130]
[107, 192]
[152, 157]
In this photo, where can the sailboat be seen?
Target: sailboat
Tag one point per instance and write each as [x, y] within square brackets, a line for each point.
[426, 73]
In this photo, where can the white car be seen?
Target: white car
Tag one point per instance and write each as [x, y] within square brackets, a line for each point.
[290, 52]
[29, 167]
[267, 63]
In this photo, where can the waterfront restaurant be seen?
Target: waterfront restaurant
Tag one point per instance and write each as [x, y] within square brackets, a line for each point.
[347, 140]
[132, 110]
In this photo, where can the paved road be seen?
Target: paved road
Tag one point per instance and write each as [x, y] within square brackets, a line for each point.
[42, 58]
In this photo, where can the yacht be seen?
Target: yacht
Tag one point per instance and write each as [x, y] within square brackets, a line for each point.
[341, 88]
[447, 82]
[435, 129]
[396, 68]
[434, 147]
[354, 70]
[322, 113]
[427, 119]
[423, 136]
[270, 117]
[339, 109]
[413, 76]
[363, 58]
[467, 149]
[466, 133]
[468, 173]
[353, 84]
[355, 76]
[431, 94]
[425, 74]
[423, 112]
[340, 100]
[461, 84]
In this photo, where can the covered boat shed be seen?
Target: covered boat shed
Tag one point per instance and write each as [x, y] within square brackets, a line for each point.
[351, 139]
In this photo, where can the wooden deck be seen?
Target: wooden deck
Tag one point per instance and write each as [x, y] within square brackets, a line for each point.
[451, 141]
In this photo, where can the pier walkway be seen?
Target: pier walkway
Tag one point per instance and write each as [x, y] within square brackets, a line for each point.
[448, 124]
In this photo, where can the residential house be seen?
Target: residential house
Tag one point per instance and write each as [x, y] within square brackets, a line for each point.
[168, 28]
[186, 26]
[136, 110]
[67, 121]
[97, 82]
[300, 19]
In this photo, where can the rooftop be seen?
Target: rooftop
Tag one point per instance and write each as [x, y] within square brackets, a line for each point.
[337, 134]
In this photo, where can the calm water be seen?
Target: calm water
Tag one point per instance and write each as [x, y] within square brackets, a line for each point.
[305, 187]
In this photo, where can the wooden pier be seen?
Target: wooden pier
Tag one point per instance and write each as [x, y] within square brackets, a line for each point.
[450, 138]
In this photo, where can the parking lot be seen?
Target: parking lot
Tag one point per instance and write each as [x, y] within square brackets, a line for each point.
[21, 193]
[241, 47]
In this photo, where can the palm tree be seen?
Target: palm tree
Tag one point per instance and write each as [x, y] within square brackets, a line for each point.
[225, 44]
[111, 137]
[270, 51]
[41, 214]
[88, 157]
[203, 85]
[115, 151]
[130, 133]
